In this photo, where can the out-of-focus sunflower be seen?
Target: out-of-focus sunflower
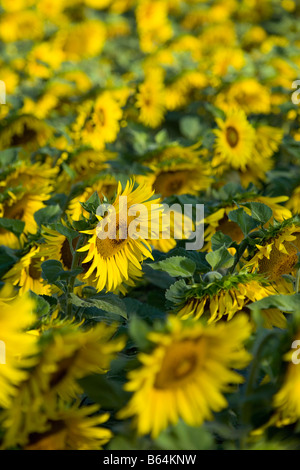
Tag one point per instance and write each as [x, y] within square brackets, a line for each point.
[286, 400]
[59, 427]
[223, 297]
[186, 374]
[112, 256]
[178, 170]
[247, 94]
[294, 202]
[20, 25]
[235, 140]
[98, 122]
[150, 99]
[219, 221]
[17, 346]
[25, 131]
[27, 273]
[81, 41]
[72, 428]
[278, 254]
[24, 190]
[70, 352]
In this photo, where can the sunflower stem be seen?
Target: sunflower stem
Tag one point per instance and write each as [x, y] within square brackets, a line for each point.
[76, 257]
[297, 281]
[252, 377]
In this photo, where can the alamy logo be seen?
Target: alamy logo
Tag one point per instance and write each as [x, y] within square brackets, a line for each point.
[295, 355]
[2, 92]
[2, 353]
[162, 223]
[296, 94]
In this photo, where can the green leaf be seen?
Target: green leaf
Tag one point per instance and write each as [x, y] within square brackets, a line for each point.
[259, 211]
[220, 258]
[286, 303]
[108, 302]
[105, 391]
[176, 266]
[51, 270]
[92, 204]
[190, 127]
[42, 306]
[139, 330]
[13, 225]
[47, 214]
[244, 221]
[219, 239]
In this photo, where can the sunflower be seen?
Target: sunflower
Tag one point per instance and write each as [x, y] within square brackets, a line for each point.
[57, 246]
[294, 202]
[23, 191]
[150, 99]
[220, 297]
[219, 221]
[20, 25]
[178, 170]
[27, 273]
[72, 428]
[111, 258]
[278, 254]
[70, 352]
[59, 427]
[153, 25]
[98, 122]
[81, 41]
[186, 374]
[18, 346]
[235, 140]
[25, 131]
[85, 165]
[246, 94]
[286, 400]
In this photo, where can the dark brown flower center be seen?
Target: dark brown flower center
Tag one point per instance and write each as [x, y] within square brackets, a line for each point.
[232, 136]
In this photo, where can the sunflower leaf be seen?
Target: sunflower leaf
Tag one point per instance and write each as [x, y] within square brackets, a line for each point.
[176, 266]
[244, 221]
[220, 258]
[13, 225]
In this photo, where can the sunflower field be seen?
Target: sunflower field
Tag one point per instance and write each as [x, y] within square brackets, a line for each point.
[142, 341]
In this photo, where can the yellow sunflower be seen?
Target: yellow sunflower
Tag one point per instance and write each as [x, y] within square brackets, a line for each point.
[218, 220]
[247, 94]
[80, 41]
[178, 170]
[25, 131]
[98, 122]
[24, 191]
[186, 374]
[112, 258]
[72, 428]
[286, 400]
[27, 273]
[18, 347]
[225, 297]
[294, 202]
[59, 427]
[150, 99]
[278, 256]
[235, 140]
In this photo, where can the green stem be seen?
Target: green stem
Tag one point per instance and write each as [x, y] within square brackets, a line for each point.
[252, 377]
[74, 265]
[297, 281]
